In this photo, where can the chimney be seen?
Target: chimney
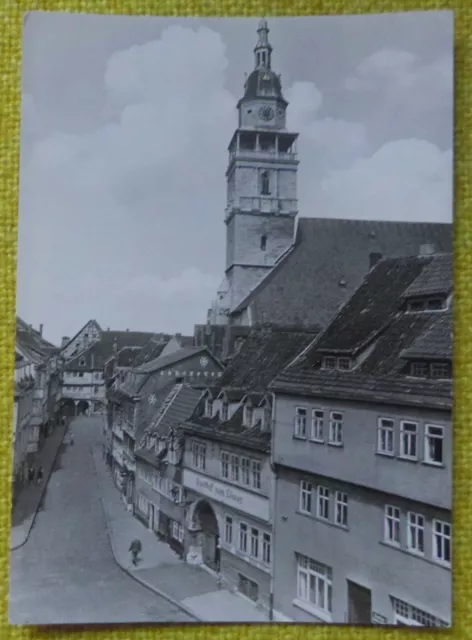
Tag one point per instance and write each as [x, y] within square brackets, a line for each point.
[374, 258]
[64, 341]
[40, 330]
[427, 249]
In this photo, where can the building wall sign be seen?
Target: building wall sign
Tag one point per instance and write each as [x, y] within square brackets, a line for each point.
[239, 499]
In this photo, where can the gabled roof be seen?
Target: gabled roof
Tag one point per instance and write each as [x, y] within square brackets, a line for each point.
[373, 325]
[126, 356]
[121, 339]
[435, 278]
[170, 359]
[151, 350]
[64, 346]
[31, 343]
[328, 262]
[92, 357]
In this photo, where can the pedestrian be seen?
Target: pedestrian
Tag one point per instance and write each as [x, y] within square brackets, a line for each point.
[40, 475]
[30, 475]
[71, 439]
[135, 548]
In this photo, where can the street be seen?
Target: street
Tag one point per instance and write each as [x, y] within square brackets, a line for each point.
[66, 572]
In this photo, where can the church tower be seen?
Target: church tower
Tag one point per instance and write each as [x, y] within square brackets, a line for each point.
[261, 181]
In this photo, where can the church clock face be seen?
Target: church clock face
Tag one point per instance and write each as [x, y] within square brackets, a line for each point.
[266, 113]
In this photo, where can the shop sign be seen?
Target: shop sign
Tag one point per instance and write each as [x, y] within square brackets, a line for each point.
[235, 497]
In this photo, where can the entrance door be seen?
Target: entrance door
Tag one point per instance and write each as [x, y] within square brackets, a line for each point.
[359, 604]
[150, 516]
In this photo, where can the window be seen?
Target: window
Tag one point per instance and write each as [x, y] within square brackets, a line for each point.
[323, 503]
[442, 541]
[329, 362]
[255, 543]
[336, 428]
[243, 537]
[235, 468]
[300, 422]
[245, 470]
[266, 548]
[82, 362]
[224, 411]
[306, 489]
[434, 304]
[256, 474]
[224, 464]
[248, 415]
[341, 509]
[385, 436]
[265, 184]
[314, 583]
[408, 440]
[392, 525]
[209, 407]
[415, 531]
[142, 503]
[263, 243]
[177, 531]
[419, 369]
[416, 305]
[199, 455]
[408, 615]
[440, 370]
[344, 364]
[229, 530]
[317, 419]
[433, 444]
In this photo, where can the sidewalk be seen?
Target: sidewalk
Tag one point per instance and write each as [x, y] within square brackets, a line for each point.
[191, 588]
[29, 500]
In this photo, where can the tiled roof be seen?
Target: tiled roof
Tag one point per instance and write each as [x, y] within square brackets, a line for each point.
[122, 339]
[147, 413]
[126, 356]
[164, 361]
[93, 358]
[31, 342]
[262, 356]
[152, 349]
[434, 279]
[373, 320]
[329, 261]
[435, 341]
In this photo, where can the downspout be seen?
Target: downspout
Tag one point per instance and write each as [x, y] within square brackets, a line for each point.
[274, 502]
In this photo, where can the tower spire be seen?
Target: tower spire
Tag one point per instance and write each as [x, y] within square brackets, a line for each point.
[263, 49]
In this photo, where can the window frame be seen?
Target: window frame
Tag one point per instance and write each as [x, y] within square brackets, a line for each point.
[395, 518]
[306, 569]
[331, 360]
[323, 502]
[256, 472]
[444, 536]
[332, 422]
[344, 360]
[315, 425]
[228, 530]
[235, 467]
[224, 459]
[242, 535]
[427, 437]
[344, 509]
[245, 467]
[402, 454]
[254, 543]
[306, 495]
[417, 364]
[412, 523]
[296, 430]
[445, 366]
[266, 548]
[385, 428]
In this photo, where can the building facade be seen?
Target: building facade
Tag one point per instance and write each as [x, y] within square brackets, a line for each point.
[227, 475]
[363, 455]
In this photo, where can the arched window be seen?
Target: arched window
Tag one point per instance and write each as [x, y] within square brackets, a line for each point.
[265, 184]
[263, 243]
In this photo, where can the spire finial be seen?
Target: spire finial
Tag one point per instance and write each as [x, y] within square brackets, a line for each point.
[263, 50]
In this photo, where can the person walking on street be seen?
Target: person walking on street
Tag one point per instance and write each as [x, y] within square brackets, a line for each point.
[30, 475]
[135, 548]
[71, 438]
[40, 475]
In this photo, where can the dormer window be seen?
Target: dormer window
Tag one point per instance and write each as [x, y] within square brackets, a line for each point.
[265, 184]
[209, 407]
[224, 411]
[329, 362]
[426, 304]
[434, 370]
[248, 413]
[82, 362]
[342, 363]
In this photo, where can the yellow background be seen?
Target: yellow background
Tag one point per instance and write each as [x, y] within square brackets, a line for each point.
[11, 15]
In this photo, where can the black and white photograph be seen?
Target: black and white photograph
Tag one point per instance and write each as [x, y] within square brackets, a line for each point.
[233, 365]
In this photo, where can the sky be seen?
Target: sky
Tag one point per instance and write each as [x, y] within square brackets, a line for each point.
[124, 135]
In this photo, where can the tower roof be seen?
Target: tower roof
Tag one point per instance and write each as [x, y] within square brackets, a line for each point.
[262, 82]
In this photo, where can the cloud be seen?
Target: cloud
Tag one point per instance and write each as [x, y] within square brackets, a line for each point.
[404, 180]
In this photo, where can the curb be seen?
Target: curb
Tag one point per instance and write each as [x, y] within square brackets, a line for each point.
[41, 496]
[130, 573]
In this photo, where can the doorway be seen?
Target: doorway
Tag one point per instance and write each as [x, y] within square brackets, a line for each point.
[209, 534]
[359, 601]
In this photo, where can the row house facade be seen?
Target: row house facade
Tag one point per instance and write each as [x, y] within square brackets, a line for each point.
[132, 404]
[227, 476]
[362, 450]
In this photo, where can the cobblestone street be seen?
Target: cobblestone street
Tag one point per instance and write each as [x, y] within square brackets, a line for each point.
[66, 572]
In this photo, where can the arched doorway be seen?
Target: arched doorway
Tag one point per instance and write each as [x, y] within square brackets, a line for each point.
[82, 408]
[206, 524]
